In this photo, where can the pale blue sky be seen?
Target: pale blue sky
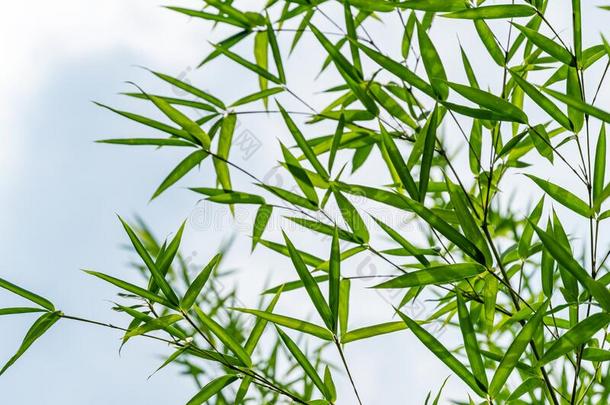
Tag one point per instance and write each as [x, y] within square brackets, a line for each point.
[60, 193]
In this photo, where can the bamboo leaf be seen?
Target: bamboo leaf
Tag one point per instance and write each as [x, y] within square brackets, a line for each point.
[260, 223]
[491, 12]
[599, 172]
[302, 143]
[147, 142]
[398, 70]
[432, 64]
[40, 326]
[154, 324]
[305, 364]
[247, 64]
[575, 337]
[547, 45]
[227, 128]
[428, 153]
[470, 342]
[139, 291]
[28, 295]
[488, 100]
[542, 101]
[372, 331]
[436, 275]
[313, 290]
[439, 350]
[211, 389]
[150, 264]
[334, 273]
[292, 323]
[192, 293]
[445, 229]
[515, 351]
[180, 171]
[563, 196]
[567, 261]
[352, 217]
[399, 164]
[224, 337]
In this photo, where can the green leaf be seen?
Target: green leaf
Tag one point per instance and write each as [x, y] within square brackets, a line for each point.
[209, 16]
[391, 105]
[436, 275]
[490, 42]
[261, 47]
[263, 94]
[210, 389]
[429, 132]
[573, 91]
[40, 326]
[563, 196]
[336, 142]
[459, 200]
[260, 325]
[192, 293]
[260, 223]
[19, 310]
[575, 337]
[300, 175]
[227, 128]
[600, 164]
[398, 70]
[567, 261]
[190, 126]
[352, 217]
[433, 5]
[542, 101]
[150, 264]
[528, 231]
[35, 298]
[491, 102]
[191, 89]
[224, 337]
[180, 171]
[154, 324]
[344, 299]
[432, 64]
[151, 123]
[237, 197]
[134, 289]
[593, 354]
[490, 12]
[399, 164]
[547, 45]
[275, 51]
[330, 384]
[292, 323]
[470, 342]
[147, 142]
[580, 105]
[414, 251]
[312, 288]
[290, 197]
[445, 229]
[443, 354]
[373, 330]
[247, 64]
[515, 351]
[334, 272]
[307, 367]
[302, 143]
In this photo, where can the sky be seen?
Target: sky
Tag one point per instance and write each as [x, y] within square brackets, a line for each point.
[61, 193]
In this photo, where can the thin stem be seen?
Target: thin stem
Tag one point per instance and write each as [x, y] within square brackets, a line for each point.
[349, 374]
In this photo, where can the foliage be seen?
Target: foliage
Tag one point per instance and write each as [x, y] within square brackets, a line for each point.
[530, 302]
